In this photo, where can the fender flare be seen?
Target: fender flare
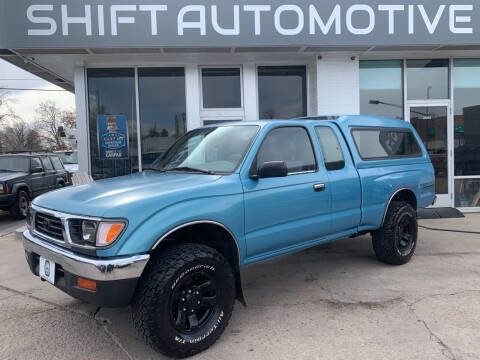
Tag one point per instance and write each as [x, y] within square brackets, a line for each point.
[238, 282]
[196, 222]
[59, 180]
[17, 186]
[390, 201]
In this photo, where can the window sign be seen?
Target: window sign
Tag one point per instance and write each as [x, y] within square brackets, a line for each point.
[113, 136]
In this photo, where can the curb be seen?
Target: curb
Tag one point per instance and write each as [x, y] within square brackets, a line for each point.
[19, 233]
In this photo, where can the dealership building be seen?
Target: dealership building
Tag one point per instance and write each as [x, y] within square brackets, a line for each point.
[152, 70]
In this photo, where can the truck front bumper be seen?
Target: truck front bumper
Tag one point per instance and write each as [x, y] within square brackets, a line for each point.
[115, 278]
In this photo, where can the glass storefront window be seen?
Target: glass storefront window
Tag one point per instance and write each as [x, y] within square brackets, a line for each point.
[162, 110]
[466, 129]
[282, 92]
[111, 92]
[466, 84]
[381, 88]
[467, 193]
[427, 79]
[431, 124]
[221, 88]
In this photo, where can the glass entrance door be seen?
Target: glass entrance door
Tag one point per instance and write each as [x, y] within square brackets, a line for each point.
[432, 122]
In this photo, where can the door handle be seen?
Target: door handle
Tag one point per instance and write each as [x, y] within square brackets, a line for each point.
[319, 187]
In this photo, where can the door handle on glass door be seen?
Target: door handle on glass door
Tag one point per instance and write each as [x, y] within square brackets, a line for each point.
[319, 187]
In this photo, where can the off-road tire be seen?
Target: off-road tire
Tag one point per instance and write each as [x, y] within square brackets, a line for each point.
[386, 240]
[151, 305]
[16, 211]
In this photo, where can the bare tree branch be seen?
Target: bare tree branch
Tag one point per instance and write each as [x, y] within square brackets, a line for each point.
[49, 118]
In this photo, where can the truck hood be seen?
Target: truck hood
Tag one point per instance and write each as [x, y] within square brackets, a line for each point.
[6, 175]
[147, 192]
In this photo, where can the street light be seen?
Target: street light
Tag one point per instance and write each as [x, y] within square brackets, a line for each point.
[378, 102]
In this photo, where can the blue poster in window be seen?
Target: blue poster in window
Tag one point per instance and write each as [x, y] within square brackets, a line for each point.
[112, 137]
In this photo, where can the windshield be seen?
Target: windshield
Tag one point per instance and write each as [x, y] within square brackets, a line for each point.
[69, 157]
[14, 163]
[210, 150]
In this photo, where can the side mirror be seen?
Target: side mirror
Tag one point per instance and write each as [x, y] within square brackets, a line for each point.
[271, 169]
[37, 170]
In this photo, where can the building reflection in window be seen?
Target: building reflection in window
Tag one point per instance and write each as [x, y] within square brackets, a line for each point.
[466, 84]
[381, 88]
[162, 110]
[112, 92]
[427, 79]
[282, 92]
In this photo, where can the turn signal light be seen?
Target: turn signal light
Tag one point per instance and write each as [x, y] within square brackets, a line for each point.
[87, 284]
[108, 232]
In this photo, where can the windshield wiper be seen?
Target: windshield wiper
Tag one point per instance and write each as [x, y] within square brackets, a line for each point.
[188, 168]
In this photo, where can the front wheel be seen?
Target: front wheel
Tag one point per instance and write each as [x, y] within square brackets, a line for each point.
[395, 242]
[19, 209]
[184, 300]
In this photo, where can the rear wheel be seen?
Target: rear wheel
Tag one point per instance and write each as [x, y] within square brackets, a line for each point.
[395, 242]
[19, 208]
[184, 300]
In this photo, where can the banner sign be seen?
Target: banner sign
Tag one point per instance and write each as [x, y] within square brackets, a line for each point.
[112, 137]
[217, 23]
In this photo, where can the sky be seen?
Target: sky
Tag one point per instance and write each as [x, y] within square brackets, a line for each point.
[24, 103]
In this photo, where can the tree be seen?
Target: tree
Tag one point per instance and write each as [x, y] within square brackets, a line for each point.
[49, 118]
[6, 116]
[19, 136]
[5, 110]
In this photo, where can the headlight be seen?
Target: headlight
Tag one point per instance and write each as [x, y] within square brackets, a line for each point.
[95, 233]
[1, 189]
[89, 231]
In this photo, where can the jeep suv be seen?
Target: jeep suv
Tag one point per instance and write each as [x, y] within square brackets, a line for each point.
[24, 176]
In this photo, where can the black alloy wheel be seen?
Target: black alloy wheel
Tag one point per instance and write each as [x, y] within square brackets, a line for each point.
[184, 299]
[395, 242]
[193, 302]
[406, 234]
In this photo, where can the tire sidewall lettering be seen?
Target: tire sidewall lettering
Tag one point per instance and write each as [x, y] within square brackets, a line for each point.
[193, 268]
[202, 337]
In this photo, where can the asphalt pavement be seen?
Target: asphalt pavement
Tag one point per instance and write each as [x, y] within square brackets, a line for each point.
[8, 225]
[333, 301]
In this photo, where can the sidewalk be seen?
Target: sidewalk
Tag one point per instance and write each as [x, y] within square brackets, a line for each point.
[331, 302]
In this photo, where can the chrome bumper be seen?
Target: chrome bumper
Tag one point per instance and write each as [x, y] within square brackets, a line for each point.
[119, 268]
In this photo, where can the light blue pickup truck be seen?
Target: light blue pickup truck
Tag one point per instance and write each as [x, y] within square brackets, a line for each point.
[171, 241]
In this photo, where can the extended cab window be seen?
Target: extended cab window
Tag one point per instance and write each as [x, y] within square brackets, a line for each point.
[385, 143]
[291, 145]
[332, 152]
[57, 164]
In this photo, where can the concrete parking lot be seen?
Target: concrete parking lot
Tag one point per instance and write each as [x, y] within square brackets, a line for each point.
[331, 302]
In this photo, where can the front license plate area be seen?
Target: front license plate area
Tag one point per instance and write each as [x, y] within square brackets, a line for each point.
[47, 270]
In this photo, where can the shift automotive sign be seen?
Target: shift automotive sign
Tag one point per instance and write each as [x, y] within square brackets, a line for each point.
[315, 18]
[113, 136]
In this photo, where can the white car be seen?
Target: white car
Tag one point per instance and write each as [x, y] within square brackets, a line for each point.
[69, 159]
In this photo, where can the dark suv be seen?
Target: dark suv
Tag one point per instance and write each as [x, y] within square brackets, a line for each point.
[24, 176]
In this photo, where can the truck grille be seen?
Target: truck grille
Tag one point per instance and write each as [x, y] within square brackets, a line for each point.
[49, 225]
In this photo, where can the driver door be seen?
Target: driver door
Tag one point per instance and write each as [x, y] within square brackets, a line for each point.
[285, 212]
